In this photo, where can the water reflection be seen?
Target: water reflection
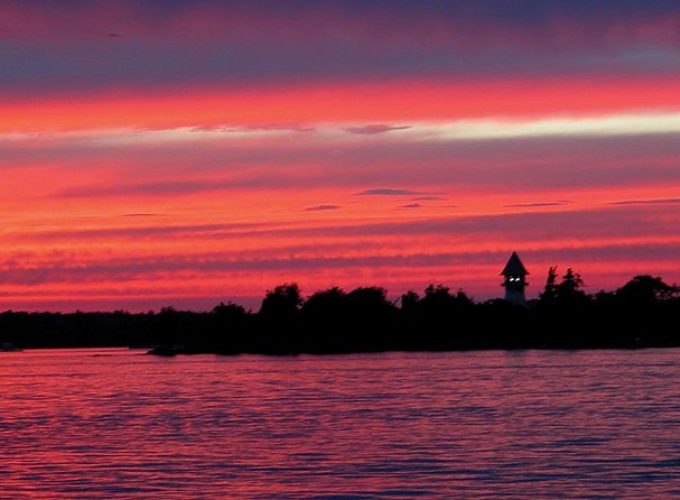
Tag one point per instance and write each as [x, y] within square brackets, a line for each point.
[117, 423]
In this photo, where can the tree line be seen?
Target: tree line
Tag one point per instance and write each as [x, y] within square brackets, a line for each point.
[644, 312]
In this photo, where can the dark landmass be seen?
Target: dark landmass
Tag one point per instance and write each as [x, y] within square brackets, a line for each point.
[645, 312]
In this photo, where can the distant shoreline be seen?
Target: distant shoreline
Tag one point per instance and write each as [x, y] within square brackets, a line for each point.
[641, 314]
[179, 353]
[163, 352]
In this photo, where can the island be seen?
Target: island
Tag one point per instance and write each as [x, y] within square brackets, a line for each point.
[644, 312]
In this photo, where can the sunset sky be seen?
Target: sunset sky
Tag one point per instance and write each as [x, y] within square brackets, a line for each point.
[164, 152]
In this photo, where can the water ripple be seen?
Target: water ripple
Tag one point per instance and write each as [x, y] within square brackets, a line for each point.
[117, 424]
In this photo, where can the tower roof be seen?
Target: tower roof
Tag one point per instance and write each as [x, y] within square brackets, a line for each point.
[514, 266]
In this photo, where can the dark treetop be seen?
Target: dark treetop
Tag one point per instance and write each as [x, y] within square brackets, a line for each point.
[644, 312]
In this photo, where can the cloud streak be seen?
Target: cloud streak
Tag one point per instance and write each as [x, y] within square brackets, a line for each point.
[660, 201]
[321, 208]
[388, 192]
[375, 129]
[539, 204]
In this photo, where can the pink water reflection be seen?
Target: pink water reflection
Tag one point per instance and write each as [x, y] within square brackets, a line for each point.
[119, 424]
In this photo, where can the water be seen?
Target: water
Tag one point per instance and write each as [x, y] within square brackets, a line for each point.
[119, 424]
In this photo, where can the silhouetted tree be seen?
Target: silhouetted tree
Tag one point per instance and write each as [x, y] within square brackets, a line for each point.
[569, 292]
[229, 310]
[282, 302]
[368, 299]
[171, 325]
[550, 291]
[436, 300]
[229, 325]
[324, 301]
[645, 290]
[462, 299]
[409, 301]
[637, 315]
[325, 309]
[229, 317]
[372, 312]
[279, 321]
[439, 298]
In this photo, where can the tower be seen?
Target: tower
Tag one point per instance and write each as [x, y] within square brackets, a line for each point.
[515, 280]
